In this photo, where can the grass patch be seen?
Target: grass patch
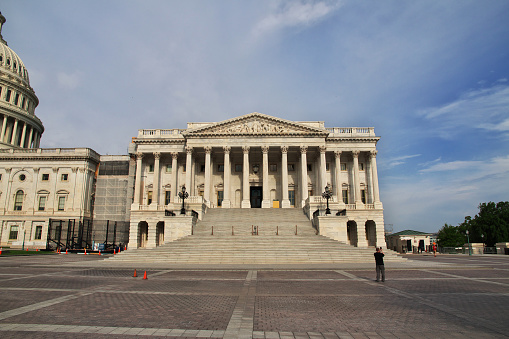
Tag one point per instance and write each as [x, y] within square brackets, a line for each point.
[20, 252]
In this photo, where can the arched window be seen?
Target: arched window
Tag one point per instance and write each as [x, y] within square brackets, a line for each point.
[18, 200]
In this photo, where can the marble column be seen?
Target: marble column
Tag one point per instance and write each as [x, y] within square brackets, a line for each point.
[155, 184]
[4, 126]
[265, 178]
[284, 177]
[356, 182]
[303, 175]
[323, 171]
[189, 167]
[226, 177]
[206, 192]
[23, 135]
[14, 132]
[338, 187]
[374, 173]
[30, 137]
[137, 184]
[246, 203]
[174, 170]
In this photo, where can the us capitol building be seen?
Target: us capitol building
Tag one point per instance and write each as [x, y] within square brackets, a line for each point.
[254, 161]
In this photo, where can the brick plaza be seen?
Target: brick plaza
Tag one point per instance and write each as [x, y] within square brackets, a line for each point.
[63, 296]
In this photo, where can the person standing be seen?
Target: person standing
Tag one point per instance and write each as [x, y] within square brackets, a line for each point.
[379, 260]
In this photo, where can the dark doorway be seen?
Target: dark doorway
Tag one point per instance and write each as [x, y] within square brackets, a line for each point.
[256, 197]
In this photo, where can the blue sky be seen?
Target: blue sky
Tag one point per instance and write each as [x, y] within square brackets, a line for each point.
[432, 77]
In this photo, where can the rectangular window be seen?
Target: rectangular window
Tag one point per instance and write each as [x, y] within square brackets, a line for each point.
[361, 166]
[291, 197]
[219, 198]
[343, 166]
[18, 201]
[273, 167]
[65, 177]
[220, 168]
[184, 168]
[8, 95]
[23, 103]
[0, 176]
[167, 197]
[363, 196]
[345, 196]
[202, 168]
[149, 198]
[151, 168]
[291, 167]
[168, 168]
[45, 177]
[327, 167]
[310, 167]
[61, 203]
[38, 232]
[16, 99]
[42, 203]
[13, 234]
[238, 167]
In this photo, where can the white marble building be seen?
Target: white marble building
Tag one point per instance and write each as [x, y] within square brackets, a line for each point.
[256, 161]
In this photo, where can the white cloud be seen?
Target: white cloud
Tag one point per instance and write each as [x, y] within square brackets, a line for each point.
[485, 108]
[396, 161]
[295, 13]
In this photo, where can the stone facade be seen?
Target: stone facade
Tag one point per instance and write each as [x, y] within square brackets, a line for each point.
[257, 161]
[37, 185]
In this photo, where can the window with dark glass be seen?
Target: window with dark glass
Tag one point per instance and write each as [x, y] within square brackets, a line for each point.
[238, 167]
[61, 203]
[363, 196]
[167, 197]
[343, 166]
[65, 176]
[273, 167]
[220, 168]
[38, 232]
[45, 177]
[291, 197]
[18, 200]
[291, 167]
[8, 95]
[13, 234]
[345, 196]
[310, 167]
[42, 203]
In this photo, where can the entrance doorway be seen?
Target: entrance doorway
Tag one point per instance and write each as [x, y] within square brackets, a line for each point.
[256, 197]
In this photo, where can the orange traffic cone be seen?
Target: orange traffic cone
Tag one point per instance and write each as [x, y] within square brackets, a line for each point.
[145, 275]
[114, 252]
[135, 275]
[66, 251]
[0, 250]
[85, 251]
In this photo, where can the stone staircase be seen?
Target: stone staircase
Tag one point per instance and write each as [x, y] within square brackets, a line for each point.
[285, 236]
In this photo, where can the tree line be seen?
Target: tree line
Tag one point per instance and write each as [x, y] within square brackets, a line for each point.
[489, 226]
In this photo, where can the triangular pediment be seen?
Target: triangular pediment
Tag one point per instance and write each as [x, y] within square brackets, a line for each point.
[256, 124]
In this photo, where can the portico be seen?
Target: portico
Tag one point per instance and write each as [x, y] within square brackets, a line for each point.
[253, 161]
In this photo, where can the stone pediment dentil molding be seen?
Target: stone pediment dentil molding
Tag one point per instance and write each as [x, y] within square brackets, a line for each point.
[255, 124]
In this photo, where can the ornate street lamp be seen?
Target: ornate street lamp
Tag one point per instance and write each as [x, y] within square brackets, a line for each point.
[183, 195]
[327, 195]
[468, 240]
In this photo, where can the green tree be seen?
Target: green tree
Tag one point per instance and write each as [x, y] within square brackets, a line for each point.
[491, 224]
[451, 236]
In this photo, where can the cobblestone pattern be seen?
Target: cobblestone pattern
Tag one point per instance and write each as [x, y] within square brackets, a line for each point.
[50, 300]
[277, 275]
[137, 310]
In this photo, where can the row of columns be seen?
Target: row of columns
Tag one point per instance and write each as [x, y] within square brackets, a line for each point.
[34, 136]
[372, 175]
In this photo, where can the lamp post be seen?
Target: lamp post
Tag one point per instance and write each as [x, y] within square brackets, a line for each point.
[482, 236]
[183, 195]
[327, 195]
[468, 240]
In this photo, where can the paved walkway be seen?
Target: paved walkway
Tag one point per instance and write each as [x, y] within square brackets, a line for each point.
[64, 296]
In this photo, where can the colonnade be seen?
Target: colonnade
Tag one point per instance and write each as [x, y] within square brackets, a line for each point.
[337, 182]
[19, 133]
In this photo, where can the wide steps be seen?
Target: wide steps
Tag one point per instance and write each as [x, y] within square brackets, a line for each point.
[284, 236]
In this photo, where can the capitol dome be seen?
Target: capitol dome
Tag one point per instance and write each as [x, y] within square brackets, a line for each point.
[20, 128]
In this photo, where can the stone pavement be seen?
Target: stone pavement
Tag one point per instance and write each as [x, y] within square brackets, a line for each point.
[62, 296]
